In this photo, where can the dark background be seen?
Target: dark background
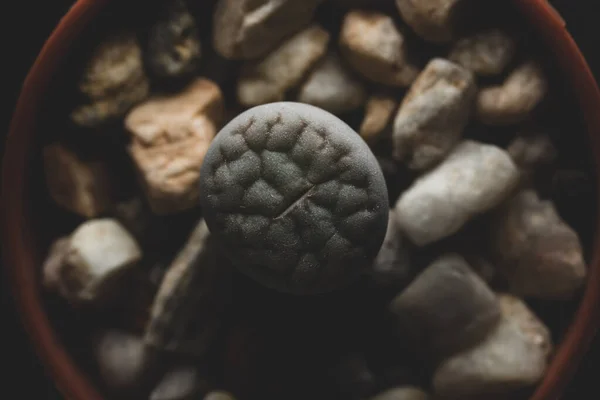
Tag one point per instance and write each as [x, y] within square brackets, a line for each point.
[26, 26]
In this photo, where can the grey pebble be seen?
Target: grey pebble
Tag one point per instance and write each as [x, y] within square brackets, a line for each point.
[188, 307]
[474, 178]
[332, 87]
[446, 308]
[249, 29]
[512, 357]
[433, 114]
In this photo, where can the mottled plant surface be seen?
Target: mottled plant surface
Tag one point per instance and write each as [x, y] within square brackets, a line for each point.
[296, 196]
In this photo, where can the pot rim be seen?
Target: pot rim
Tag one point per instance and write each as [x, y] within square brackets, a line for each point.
[21, 268]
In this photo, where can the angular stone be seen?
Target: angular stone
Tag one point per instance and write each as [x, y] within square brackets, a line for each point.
[402, 393]
[446, 308]
[97, 261]
[173, 43]
[113, 81]
[514, 100]
[124, 364]
[268, 80]
[474, 178]
[431, 19]
[180, 383]
[392, 266]
[378, 115]
[80, 186]
[486, 53]
[537, 252]
[433, 114]
[188, 306]
[373, 45]
[170, 136]
[332, 87]
[512, 357]
[247, 29]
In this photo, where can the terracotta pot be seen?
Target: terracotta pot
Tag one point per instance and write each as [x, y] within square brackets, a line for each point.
[19, 228]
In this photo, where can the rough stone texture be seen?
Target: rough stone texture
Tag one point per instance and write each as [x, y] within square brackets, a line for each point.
[430, 19]
[332, 87]
[80, 186]
[539, 254]
[123, 363]
[170, 136]
[247, 29]
[486, 53]
[180, 383]
[113, 81]
[392, 266]
[433, 114]
[402, 393]
[95, 262]
[188, 307]
[219, 395]
[378, 114]
[515, 99]
[446, 308]
[268, 80]
[295, 196]
[173, 44]
[474, 178]
[513, 356]
[373, 45]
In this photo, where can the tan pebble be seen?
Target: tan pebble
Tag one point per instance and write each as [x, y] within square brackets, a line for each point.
[80, 186]
[537, 252]
[515, 99]
[430, 19]
[373, 45]
[378, 115]
[113, 81]
[170, 136]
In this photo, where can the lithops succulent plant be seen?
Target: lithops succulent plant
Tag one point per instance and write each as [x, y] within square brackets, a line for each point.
[296, 197]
